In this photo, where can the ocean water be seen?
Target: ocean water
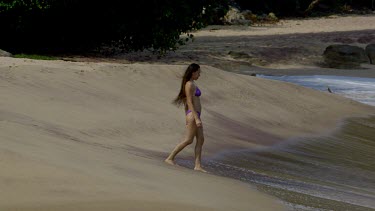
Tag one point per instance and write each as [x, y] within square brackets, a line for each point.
[356, 88]
[332, 172]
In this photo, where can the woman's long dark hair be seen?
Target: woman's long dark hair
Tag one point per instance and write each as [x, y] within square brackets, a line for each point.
[181, 97]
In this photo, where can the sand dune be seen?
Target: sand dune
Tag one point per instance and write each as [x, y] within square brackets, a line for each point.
[86, 136]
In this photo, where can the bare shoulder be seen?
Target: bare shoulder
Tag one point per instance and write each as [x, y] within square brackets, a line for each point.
[189, 85]
[189, 89]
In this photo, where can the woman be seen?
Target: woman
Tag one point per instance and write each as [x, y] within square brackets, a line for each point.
[189, 97]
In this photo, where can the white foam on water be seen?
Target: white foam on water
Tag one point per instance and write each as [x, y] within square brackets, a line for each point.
[359, 89]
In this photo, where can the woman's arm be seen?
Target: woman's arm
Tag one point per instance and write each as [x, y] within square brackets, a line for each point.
[190, 88]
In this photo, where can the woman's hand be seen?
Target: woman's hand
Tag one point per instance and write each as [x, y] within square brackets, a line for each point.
[198, 122]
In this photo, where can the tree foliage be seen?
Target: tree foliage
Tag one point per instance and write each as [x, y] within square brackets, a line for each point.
[35, 26]
[79, 25]
[301, 7]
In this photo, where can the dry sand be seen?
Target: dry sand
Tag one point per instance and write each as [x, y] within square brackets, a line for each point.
[93, 136]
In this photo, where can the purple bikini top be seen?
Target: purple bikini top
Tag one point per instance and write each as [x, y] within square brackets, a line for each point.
[197, 92]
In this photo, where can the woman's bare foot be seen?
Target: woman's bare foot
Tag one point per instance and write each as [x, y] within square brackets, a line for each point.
[200, 169]
[170, 162]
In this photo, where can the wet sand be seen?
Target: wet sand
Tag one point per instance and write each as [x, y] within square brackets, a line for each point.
[330, 172]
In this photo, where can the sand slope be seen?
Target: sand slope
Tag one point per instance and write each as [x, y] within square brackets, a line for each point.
[88, 136]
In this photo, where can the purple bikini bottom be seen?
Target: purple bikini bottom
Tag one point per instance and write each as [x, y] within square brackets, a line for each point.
[189, 111]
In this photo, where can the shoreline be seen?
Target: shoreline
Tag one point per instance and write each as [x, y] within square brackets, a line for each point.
[306, 71]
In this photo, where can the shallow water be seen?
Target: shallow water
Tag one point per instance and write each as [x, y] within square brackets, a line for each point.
[356, 88]
[332, 172]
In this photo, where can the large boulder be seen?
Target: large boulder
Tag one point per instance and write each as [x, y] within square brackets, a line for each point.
[248, 15]
[344, 56]
[370, 52]
[235, 17]
[272, 17]
[5, 54]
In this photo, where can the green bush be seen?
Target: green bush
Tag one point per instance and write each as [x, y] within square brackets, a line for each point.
[81, 25]
[34, 56]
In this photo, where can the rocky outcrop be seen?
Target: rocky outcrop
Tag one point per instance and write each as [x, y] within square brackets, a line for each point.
[235, 17]
[344, 56]
[272, 17]
[370, 52]
[5, 54]
[248, 15]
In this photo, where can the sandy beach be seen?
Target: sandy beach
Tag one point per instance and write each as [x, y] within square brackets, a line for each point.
[93, 135]
[290, 47]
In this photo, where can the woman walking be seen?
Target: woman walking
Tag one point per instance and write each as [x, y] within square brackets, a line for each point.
[189, 97]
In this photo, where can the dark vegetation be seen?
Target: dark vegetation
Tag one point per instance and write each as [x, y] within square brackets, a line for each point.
[55, 26]
[77, 26]
[304, 8]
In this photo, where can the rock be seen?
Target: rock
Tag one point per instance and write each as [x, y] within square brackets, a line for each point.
[344, 56]
[5, 54]
[235, 17]
[370, 52]
[248, 15]
[272, 17]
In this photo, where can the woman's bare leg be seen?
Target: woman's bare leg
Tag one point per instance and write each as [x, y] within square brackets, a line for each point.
[191, 130]
[198, 150]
